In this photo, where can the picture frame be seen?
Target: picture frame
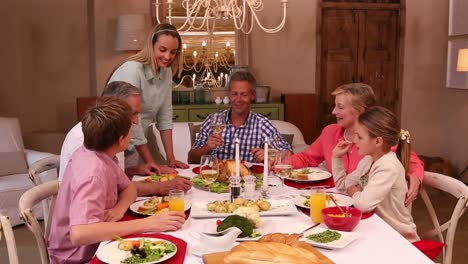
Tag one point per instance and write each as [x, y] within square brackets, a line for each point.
[457, 39]
[457, 80]
[458, 17]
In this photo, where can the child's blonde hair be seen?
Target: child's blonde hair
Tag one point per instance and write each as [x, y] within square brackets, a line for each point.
[381, 122]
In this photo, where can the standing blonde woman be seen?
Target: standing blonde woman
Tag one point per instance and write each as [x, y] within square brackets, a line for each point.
[351, 100]
[151, 71]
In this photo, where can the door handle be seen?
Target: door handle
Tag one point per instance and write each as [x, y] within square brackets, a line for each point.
[267, 115]
[201, 117]
[175, 117]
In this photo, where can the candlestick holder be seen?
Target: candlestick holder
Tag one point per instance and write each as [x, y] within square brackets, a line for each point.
[265, 192]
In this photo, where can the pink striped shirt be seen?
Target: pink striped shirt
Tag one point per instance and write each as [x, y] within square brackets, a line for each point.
[91, 184]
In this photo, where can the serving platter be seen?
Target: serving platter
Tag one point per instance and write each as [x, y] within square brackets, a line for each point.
[345, 239]
[278, 207]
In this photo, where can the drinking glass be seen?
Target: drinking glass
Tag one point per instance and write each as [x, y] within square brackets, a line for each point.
[283, 167]
[272, 154]
[176, 200]
[317, 201]
[218, 127]
[209, 168]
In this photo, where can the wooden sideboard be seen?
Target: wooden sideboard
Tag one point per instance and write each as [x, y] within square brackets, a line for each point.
[198, 112]
[194, 112]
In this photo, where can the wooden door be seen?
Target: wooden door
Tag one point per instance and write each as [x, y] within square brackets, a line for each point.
[377, 63]
[358, 45]
[339, 57]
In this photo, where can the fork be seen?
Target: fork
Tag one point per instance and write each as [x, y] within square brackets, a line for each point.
[307, 229]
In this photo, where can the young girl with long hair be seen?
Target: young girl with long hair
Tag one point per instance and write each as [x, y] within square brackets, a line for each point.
[379, 183]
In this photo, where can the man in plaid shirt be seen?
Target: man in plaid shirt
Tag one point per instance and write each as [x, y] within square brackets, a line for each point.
[250, 128]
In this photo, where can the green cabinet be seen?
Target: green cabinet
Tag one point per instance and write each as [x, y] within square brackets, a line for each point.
[198, 113]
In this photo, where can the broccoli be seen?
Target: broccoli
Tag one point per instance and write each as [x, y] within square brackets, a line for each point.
[238, 221]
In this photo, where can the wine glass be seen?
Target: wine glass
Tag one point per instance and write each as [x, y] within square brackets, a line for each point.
[283, 167]
[209, 168]
[218, 126]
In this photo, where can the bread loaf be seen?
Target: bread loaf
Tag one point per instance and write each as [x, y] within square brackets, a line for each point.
[280, 238]
[271, 252]
[227, 168]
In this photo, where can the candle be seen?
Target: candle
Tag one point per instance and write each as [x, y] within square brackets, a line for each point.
[265, 164]
[237, 171]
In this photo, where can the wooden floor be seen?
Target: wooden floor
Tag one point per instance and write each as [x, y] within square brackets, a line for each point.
[443, 204]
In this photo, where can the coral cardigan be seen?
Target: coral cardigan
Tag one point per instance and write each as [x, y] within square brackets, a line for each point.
[321, 150]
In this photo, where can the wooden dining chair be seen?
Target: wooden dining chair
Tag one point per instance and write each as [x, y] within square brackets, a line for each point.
[38, 167]
[29, 199]
[7, 230]
[458, 190]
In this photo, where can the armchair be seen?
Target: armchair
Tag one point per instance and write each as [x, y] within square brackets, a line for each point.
[14, 164]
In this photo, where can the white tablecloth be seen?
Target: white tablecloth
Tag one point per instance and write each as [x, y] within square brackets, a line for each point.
[377, 242]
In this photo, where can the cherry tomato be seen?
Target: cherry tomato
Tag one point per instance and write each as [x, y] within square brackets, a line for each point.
[218, 222]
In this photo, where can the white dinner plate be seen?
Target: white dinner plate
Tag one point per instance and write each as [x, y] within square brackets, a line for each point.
[316, 174]
[111, 254]
[341, 200]
[278, 207]
[345, 239]
[134, 206]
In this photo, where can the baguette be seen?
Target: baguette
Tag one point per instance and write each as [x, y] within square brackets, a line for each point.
[271, 252]
[280, 238]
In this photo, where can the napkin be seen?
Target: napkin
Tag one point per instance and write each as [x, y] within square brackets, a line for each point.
[178, 258]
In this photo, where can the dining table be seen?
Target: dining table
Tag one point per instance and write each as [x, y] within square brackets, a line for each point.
[376, 241]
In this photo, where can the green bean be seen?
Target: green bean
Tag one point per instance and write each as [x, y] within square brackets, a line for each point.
[325, 236]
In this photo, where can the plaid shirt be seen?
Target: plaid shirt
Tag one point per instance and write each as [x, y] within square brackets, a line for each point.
[251, 135]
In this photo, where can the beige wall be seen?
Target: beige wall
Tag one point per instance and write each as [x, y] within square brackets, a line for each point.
[437, 116]
[44, 66]
[59, 50]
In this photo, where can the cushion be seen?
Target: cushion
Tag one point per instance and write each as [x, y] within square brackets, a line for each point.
[288, 138]
[430, 248]
[194, 131]
[12, 163]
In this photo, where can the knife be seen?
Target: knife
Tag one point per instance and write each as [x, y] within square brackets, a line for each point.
[307, 229]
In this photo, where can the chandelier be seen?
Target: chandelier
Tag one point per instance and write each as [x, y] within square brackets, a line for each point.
[208, 63]
[204, 13]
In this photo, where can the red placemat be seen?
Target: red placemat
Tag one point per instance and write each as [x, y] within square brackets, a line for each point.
[299, 185]
[364, 215]
[129, 215]
[178, 258]
[254, 169]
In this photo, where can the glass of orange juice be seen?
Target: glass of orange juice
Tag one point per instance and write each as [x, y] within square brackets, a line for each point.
[176, 200]
[318, 201]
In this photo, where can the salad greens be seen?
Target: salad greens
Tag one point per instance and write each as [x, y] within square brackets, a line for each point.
[156, 177]
[148, 251]
[219, 187]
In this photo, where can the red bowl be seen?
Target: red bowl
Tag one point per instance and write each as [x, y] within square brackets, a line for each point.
[341, 223]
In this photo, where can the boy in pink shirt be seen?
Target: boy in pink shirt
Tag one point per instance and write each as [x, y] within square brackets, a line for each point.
[96, 187]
